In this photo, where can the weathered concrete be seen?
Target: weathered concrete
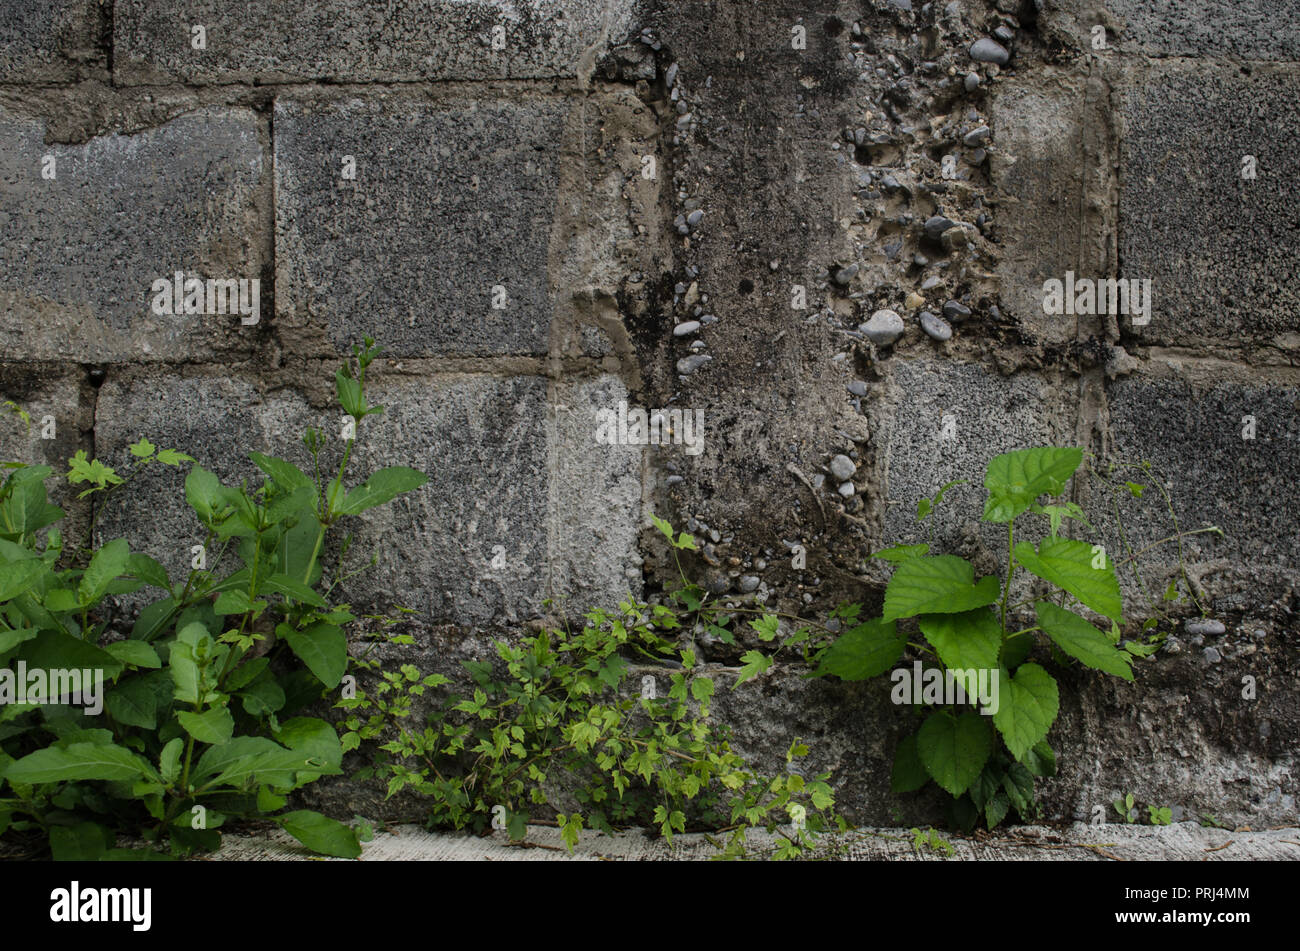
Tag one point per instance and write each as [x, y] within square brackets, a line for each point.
[336, 40]
[1184, 841]
[82, 248]
[1219, 248]
[53, 41]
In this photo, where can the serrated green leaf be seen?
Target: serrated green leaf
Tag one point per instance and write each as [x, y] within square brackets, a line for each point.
[954, 749]
[864, 651]
[1076, 637]
[936, 584]
[284, 473]
[1027, 708]
[908, 773]
[969, 641]
[1015, 479]
[897, 554]
[1068, 564]
[754, 663]
[1040, 760]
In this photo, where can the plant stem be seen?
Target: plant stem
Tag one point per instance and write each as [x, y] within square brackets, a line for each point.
[1011, 569]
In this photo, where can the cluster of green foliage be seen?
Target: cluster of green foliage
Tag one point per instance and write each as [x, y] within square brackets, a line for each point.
[989, 764]
[1156, 815]
[203, 699]
[568, 723]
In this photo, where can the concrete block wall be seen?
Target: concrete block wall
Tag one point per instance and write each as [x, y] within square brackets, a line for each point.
[547, 208]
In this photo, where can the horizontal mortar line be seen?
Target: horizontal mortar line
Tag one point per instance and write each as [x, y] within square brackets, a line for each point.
[558, 84]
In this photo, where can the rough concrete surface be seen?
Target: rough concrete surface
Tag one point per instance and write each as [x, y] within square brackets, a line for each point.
[823, 228]
[1185, 841]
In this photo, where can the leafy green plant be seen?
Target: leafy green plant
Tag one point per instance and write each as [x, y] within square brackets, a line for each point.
[957, 624]
[1160, 815]
[576, 724]
[1127, 808]
[202, 715]
[932, 840]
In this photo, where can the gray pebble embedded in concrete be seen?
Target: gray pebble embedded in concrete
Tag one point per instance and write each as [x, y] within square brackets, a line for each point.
[1212, 655]
[936, 327]
[937, 225]
[688, 327]
[1204, 626]
[955, 310]
[842, 468]
[845, 275]
[884, 327]
[688, 365]
[748, 583]
[972, 82]
[977, 136]
[846, 489]
[694, 218]
[988, 50]
[1004, 34]
[857, 387]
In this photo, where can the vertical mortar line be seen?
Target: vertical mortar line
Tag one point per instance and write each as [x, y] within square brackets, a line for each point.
[112, 39]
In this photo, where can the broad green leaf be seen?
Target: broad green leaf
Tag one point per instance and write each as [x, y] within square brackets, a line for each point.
[1027, 708]
[996, 809]
[1082, 641]
[84, 842]
[298, 502]
[1018, 784]
[1068, 564]
[262, 697]
[292, 588]
[149, 571]
[214, 726]
[1015, 650]
[236, 602]
[11, 639]
[205, 494]
[1040, 760]
[154, 619]
[954, 750]
[1015, 479]
[169, 761]
[284, 473]
[183, 664]
[55, 650]
[970, 640]
[111, 561]
[936, 584]
[383, 486]
[246, 757]
[350, 394]
[908, 773]
[864, 651]
[321, 834]
[135, 653]
[322, 647]
[900, 553]
[17, 577]
[79, 761]
[314, 737]
[134, 702]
